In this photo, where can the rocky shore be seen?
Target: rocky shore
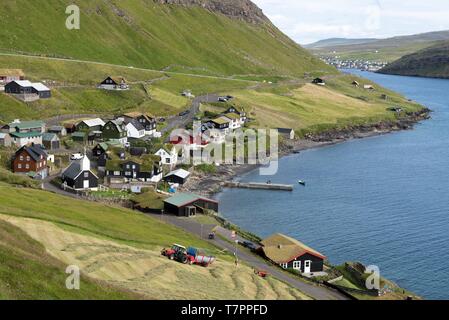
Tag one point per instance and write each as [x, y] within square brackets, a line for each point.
[211, 184]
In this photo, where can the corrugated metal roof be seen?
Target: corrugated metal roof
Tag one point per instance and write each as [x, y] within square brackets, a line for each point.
[182, 199]
[179, 173]
[23, 125]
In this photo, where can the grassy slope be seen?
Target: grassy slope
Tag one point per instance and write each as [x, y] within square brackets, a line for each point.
[27, 271]
[121, 247]
[307, 107]
[429, 62]
[145, 34]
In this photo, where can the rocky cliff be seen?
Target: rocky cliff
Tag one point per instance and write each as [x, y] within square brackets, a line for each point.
[237, 9]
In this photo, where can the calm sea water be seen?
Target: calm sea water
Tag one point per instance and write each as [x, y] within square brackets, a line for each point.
[382, 200]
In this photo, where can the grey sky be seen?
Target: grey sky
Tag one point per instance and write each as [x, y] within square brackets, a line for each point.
[311, 20]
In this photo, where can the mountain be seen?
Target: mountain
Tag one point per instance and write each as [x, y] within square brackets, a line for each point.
[334, 42]
[225, 37]
[389, 49]
[430, 62]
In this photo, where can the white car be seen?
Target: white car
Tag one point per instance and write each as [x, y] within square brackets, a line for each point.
[76, 156]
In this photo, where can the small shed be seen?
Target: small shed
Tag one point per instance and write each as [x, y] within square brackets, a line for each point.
[5, 139]
[179, 176]
[287, 133]
[187, 204]
[59, 130]
[80, 136]
[51, 141]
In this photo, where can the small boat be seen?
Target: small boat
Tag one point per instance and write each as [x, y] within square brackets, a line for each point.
[301, 182]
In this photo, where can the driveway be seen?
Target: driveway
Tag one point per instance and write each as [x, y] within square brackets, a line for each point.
[314, 291]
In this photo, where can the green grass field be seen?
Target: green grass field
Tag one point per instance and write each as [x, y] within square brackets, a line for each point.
[150, 35]
[27, 271]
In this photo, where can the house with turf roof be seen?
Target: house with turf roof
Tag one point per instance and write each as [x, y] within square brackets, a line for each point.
[79, 176]
[222, 124]
[188, 204]
[32, 161]
[147, 169]
[235, 121]
[9, 75]
[240, 112]
[290, 253]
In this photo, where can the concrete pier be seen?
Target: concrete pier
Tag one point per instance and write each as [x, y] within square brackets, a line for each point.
[260, 186]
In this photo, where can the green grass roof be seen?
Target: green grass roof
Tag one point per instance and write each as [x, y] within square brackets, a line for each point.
[182, 199]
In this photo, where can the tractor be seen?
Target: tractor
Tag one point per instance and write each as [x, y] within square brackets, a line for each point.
[188, 255]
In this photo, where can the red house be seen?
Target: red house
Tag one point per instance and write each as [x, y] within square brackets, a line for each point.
[31, 160]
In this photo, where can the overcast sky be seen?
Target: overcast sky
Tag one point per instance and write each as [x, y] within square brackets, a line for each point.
[308, 21]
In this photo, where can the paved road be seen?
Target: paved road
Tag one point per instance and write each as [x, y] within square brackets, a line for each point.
[314, 291]
[178, 122]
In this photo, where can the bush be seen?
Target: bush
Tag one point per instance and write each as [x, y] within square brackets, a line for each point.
[206, 168]
[18, 180]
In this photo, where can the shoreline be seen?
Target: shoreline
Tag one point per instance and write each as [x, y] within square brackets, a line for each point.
[212, 185]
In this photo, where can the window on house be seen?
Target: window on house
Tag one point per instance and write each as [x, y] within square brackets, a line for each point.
[28, 158]
[168, 160]
[297, 265]
[128, 173]
[19, 166]
[284, 265]
[27, 166]
[86, 174]
[21, 158]
[116, 173]
[134, 166]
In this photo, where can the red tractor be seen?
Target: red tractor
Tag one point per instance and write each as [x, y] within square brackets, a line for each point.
[188, 255]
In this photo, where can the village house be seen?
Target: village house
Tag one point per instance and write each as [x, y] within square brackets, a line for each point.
[319, 82]
[21, 139]
[169, 155]
[9, 75]
[235, 121]
[115, 131]
[70, 128]
[50, 141]
[290, 253]
[96, 124]
[179, 177]
[5, 139]
[287, 133]
[114, 83]
[147, 168]
[59, 130]
[25, 90]
[79, 176]
[149, 123]
[240, 112]
[187, 205]
[24, 126]
[135, 129]
[221, 124]
[31, 160]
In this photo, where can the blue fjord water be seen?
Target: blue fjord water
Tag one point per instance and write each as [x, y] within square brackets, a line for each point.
[381, 200]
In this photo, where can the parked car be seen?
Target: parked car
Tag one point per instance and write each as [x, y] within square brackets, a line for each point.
[248, 244]
[222, 99]
[184, 113]
[76, 156]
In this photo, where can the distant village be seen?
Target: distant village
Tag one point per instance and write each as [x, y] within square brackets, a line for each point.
[359, 64]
